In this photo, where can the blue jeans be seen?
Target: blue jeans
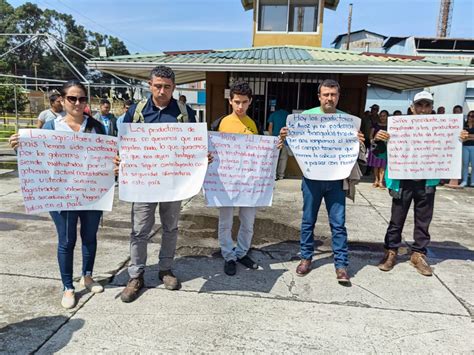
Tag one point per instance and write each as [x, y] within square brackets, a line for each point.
[335, 199]
[467, 157]
[66, 226]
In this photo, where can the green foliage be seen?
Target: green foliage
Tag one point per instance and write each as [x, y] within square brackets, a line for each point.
[7, 97]
[29, 18]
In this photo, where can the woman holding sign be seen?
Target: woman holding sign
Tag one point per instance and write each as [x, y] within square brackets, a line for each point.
[74, 100]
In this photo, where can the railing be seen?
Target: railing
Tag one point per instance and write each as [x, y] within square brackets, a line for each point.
[9, 124]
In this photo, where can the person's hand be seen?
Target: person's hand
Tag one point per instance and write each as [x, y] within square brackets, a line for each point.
[382, 136]
[283, 133]
[210, 158]
[361, 137]
[14, 140]
[280, 143]
[117, 161]
[464, 135]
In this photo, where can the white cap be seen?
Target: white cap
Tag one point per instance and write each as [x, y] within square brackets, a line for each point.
[424, 95]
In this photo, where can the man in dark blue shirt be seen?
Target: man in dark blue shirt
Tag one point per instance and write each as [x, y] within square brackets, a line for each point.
[159, 108]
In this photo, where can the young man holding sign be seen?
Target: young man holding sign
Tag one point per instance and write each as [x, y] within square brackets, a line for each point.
[421, 192]
[237, 122]
[332, 191]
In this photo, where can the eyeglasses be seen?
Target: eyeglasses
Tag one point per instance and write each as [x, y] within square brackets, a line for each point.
[74, 99]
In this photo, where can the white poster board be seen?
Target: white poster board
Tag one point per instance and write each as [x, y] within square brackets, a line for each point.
[425, 146]
[325, 146]
[243, 170]
[161, 162]
[66, 171]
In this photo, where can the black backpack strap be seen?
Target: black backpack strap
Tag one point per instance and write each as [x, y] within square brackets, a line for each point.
[93, 124]
[216, 123]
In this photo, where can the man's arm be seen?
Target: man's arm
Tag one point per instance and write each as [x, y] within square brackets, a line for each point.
[270, 128]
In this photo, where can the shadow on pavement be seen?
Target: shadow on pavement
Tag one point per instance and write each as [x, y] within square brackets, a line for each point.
[29, 335]
[361, 255]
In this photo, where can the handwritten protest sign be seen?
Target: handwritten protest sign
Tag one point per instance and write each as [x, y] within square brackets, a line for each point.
[66, 171]
[325, 146]
[161, 162]
[243, 170]
[424, 147]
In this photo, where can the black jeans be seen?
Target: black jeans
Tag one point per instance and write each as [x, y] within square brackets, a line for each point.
[423, 208]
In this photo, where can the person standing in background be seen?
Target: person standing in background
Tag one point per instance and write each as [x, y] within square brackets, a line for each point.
[468, 151]
[378, 163]
[107, 119]
[55, 111]
[276, 122]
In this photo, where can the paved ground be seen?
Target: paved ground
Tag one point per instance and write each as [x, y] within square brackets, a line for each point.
[267, 310]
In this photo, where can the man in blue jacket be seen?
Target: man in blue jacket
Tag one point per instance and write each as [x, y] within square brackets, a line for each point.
[421, 192]
[160, 107]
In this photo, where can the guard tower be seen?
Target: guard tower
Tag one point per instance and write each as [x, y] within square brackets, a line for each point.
[288, 22]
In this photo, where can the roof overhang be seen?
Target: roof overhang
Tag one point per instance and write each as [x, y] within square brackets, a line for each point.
[390, 76]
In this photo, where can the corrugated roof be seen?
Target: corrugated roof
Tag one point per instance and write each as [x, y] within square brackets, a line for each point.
[192, 65]
[339, 37]
[284, 55]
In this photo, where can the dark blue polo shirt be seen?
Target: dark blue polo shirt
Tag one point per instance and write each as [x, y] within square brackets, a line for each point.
[153, 114]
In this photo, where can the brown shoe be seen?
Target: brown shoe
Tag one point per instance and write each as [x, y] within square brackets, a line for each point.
[304, 267]
[342, 276]
[170, 281]
[389, 260]
[130, 292]
[418, 260]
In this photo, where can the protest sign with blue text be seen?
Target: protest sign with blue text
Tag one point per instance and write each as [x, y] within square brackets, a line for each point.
[325, 146]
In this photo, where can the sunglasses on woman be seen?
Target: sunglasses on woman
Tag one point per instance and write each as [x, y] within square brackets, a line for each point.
[74, 99]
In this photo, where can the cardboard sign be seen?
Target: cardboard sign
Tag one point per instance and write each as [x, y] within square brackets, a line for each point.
[325, 146]
[425, 147]
[243, 170]
[66, 171]
[161, 162]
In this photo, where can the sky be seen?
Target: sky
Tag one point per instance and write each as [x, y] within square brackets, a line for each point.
[152, 26]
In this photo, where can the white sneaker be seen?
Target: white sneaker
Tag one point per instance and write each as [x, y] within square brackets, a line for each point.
[69, 299]
[91, 285]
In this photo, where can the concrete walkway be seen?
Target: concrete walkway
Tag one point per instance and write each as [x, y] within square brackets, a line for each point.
[269, 310]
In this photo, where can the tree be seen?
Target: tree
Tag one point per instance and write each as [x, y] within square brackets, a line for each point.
[7, 97]
[43, 52]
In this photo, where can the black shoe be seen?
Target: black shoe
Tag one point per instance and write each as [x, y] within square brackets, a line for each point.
[230, 267]
[248, 263]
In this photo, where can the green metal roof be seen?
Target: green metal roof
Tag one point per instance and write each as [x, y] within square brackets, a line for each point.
[412, 71]
[284, 55]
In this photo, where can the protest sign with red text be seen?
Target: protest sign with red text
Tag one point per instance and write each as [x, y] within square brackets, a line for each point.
[63, 171]
[161, 162]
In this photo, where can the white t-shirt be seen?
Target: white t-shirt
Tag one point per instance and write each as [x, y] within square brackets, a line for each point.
[48, 115]
[61, 125]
